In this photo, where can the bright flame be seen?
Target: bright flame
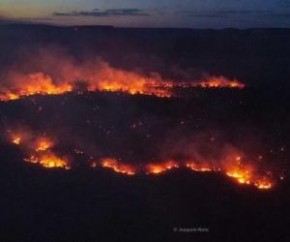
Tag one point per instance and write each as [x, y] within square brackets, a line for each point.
[39, 151]
[161, 167]
[242, 176]
[264, 183]
[48, 160]
[244, 173]
[102, 78]
[117, 166]
[235, 168]
[147, 86]
[33, 84]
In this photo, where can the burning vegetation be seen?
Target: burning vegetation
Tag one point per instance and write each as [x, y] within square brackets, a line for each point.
[220, 82]
[118, 166]
[128, 83]
[55, 75]
[40, 150]
[158, 168]
[98, 76]
[48, 160]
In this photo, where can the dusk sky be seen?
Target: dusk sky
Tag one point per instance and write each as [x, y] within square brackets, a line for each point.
[150, 13]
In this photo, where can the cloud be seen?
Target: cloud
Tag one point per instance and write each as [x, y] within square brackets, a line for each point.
[6, 21]
[105, 13]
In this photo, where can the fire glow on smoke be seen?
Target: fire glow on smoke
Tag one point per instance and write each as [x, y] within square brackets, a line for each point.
[100, 76]
[40, 150]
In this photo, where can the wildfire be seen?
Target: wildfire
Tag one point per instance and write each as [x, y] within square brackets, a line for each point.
[107, 79]
[9, 96]
[242, 176]
[221, 82]
[33, 84]
[244, 173]
[263, 183]
[117, 166]
[18, 137]
[39, 150]
[199, 167]
[146, 86]
[43, 144]
[161, 167]
[48, 160]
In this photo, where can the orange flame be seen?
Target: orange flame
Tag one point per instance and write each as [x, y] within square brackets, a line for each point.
[48, 160]
[199, 167]
[245, 173]
[105, 78]
[241, 175]
[142, 85]
[221, 82]
[233, 165]
[161, 167]
[33, 84]
[39, 150]
[43, 144]
[263, 183]
[117, 166]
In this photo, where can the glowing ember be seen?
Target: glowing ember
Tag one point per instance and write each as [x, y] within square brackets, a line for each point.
[93, 164]
[16, 140]
[118, 167]
[48, 160]
[161, 167]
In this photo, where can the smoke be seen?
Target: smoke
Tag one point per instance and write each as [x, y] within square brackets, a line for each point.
[55, 62]
[131, 135]
[116, 128]
[196, 152]
[53, 71]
